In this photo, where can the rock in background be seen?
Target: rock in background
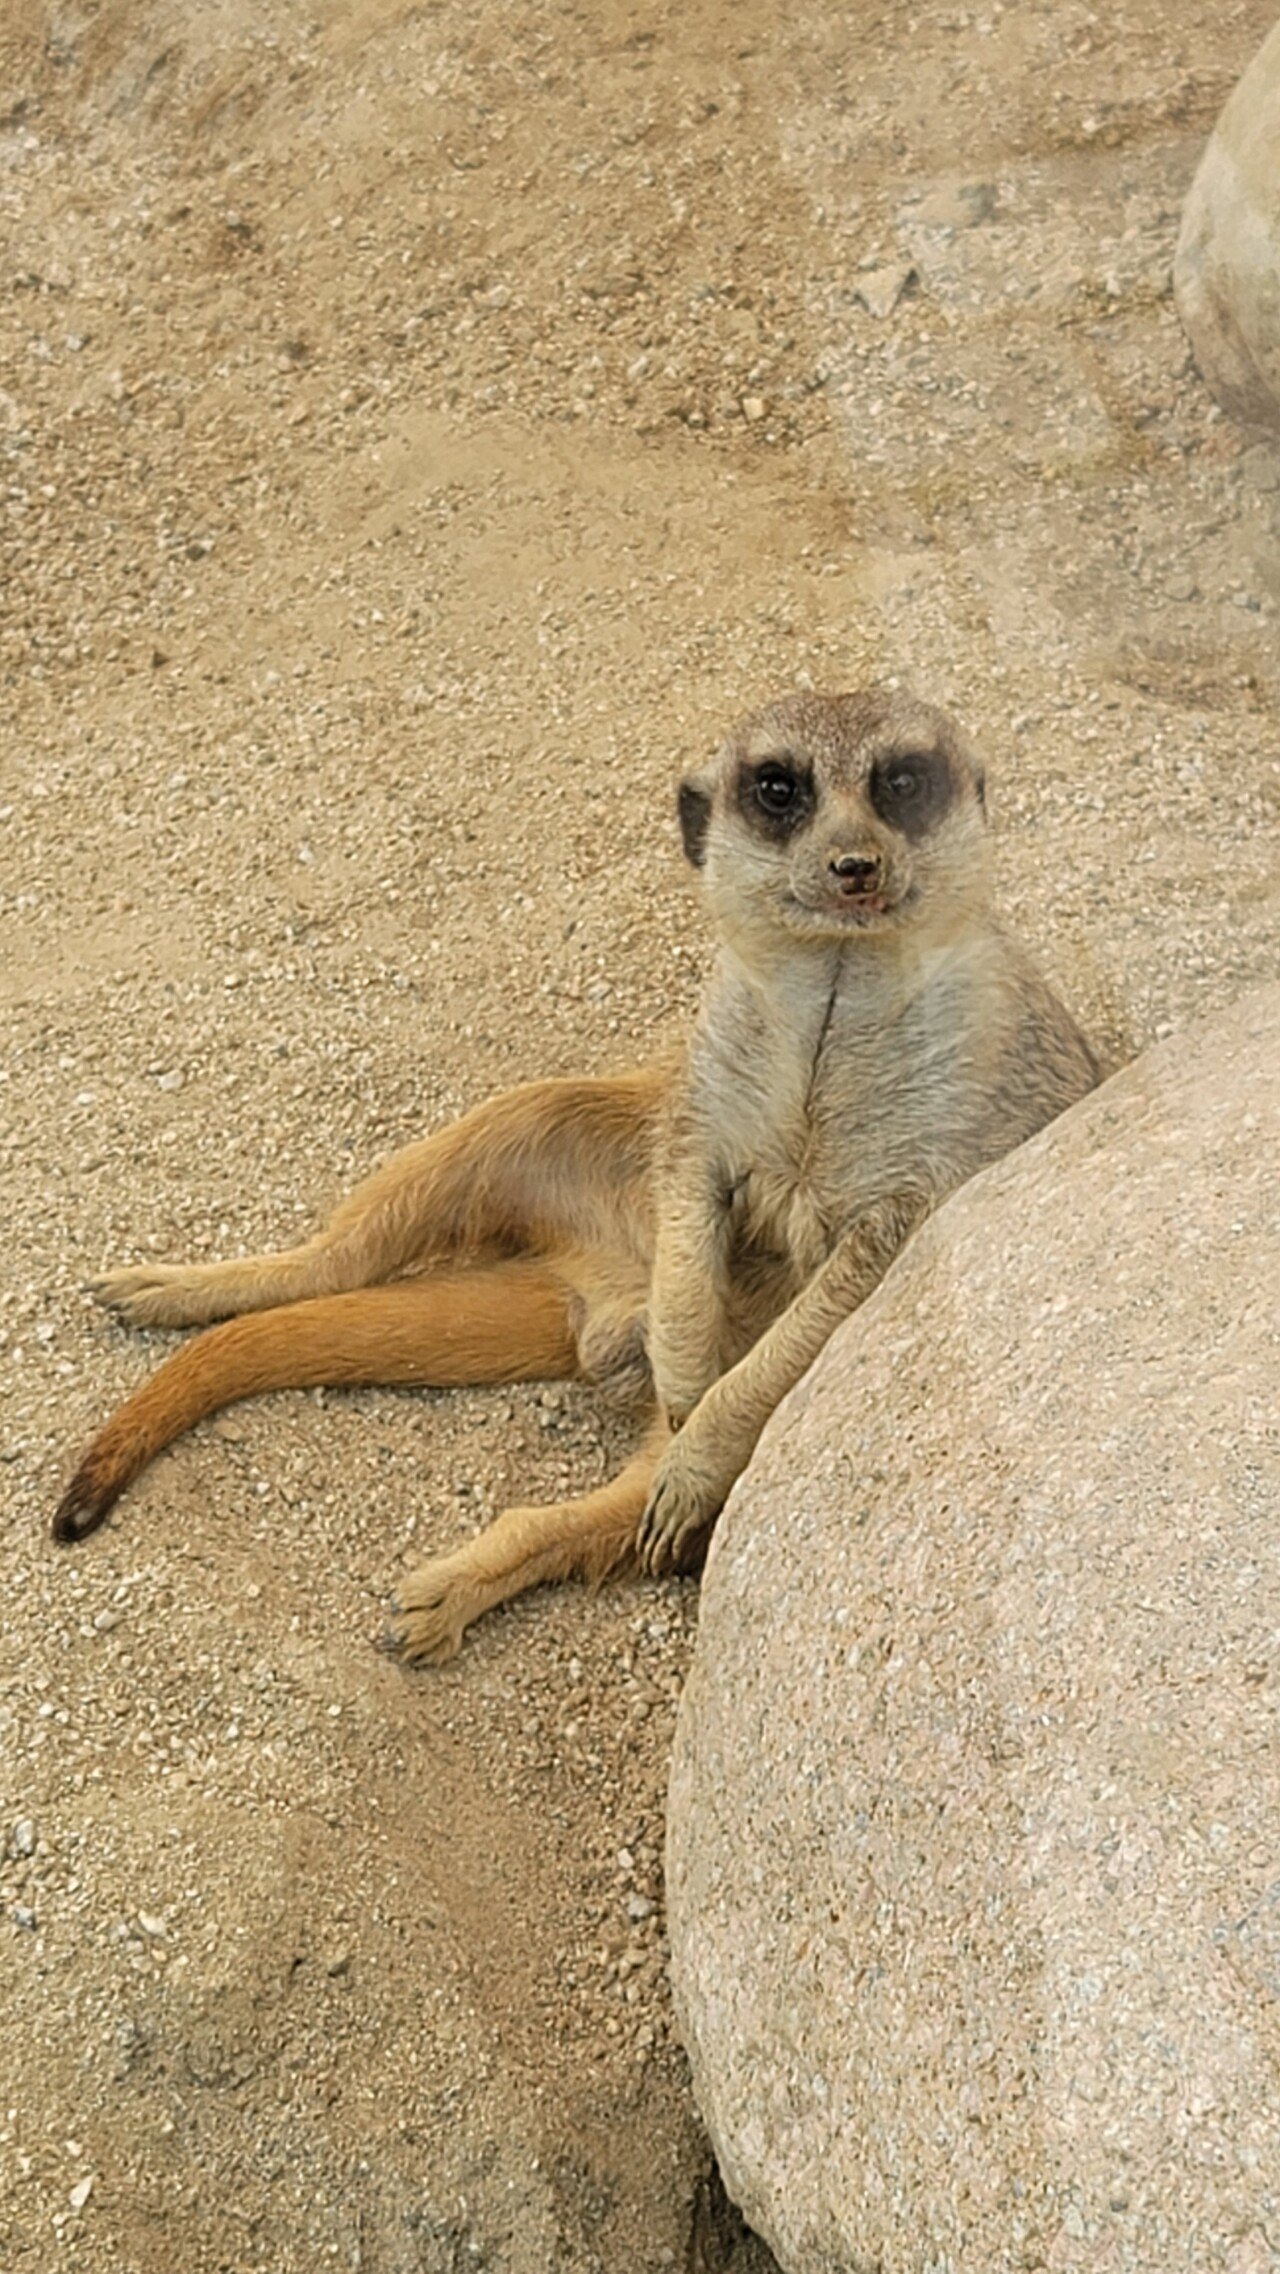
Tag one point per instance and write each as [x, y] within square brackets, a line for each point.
[1227, 270]
[973, 1860]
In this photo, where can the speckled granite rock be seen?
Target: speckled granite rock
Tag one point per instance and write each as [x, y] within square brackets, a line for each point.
[1227, 270]
[974, 1846]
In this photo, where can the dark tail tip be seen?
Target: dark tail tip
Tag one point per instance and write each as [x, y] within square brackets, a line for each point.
[83, 1506]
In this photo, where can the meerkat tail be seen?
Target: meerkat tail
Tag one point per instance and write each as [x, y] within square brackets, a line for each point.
[591, 1538]
[510, 1322]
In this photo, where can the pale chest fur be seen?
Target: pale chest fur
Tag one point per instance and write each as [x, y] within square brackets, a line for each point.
[846, 1084]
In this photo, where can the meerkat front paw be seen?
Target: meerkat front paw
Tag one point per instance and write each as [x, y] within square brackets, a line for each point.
[685, 1499]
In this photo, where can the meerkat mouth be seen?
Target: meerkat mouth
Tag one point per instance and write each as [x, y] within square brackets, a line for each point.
[848, 911]
[862, 907]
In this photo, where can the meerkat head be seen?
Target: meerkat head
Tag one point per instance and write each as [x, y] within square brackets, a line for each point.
[831, 817]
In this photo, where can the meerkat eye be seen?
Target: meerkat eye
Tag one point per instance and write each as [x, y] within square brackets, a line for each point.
[775, 796]
[913, 792]
[776, 789]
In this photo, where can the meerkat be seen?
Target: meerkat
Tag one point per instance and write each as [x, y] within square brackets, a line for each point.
[869, 1037]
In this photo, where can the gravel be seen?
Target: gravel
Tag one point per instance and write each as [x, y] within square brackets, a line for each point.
[419, 432]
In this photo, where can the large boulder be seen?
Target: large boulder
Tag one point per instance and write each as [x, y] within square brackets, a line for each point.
[1227, 269]
[974, 1838]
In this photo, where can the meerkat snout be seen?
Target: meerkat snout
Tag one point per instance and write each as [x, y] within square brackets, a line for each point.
[853, 875]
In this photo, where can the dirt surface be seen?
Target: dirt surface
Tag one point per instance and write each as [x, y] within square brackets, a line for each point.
[422, 427]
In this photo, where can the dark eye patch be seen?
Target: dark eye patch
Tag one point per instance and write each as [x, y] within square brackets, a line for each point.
[912, 792]
[694, 808]
[775, 795]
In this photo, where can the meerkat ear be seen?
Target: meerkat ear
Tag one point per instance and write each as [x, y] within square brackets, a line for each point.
[694, 806]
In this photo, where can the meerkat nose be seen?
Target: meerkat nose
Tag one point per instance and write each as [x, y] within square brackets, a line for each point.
[853, 874]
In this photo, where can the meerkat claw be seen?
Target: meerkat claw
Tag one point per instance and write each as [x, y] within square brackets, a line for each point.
[680, 1512]
[423, 1634]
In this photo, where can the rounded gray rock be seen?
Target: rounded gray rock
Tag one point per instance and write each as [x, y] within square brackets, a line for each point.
[974, 1839]
[1227, 268]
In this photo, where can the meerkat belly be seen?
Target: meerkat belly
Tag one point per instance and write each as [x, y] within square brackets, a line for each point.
[775, 1245]
[824, 1119]
[780, 1232]
[779, 1217]
[797, 1200]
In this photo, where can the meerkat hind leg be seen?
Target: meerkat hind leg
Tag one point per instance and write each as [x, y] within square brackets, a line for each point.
[591, 1538]
[195, 1294]
[477, 1187]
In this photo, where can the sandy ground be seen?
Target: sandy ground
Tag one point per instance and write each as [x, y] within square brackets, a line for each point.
[422, 428]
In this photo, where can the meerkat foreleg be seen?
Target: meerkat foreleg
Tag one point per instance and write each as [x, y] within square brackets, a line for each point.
[688, 1290]
[591, 1538]
[709, 1453]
